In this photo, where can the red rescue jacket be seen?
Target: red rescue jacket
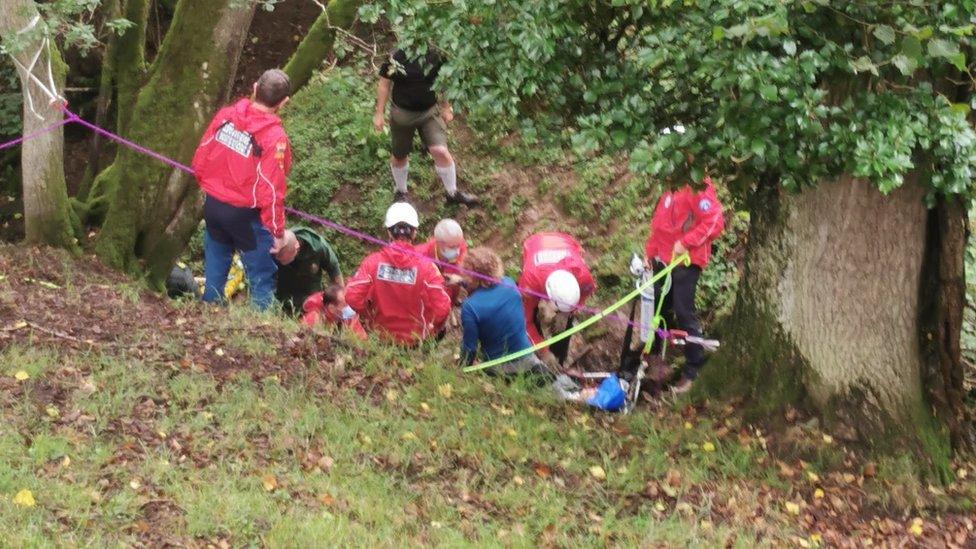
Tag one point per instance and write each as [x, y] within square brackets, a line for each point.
[399, 295]
[543, 253]
[693, 217]
[243, 160]
[314, 313]
[429, 249]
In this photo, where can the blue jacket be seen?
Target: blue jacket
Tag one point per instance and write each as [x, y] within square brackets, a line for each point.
[493, 318]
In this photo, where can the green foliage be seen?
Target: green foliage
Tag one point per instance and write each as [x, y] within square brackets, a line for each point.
[801, 90]
[11, 117]
[339, 158]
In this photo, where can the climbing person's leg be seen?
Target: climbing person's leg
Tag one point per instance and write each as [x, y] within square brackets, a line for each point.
[403, 126]
[228, 229]
[260, 268]
[433, 132]
[217, 257]
[683, 287]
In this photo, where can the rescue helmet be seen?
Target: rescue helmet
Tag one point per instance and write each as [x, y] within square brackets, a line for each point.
[563, 289]
[401, 212]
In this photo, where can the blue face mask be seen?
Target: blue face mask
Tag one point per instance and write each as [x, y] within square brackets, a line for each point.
[348, 313]
[450, 254]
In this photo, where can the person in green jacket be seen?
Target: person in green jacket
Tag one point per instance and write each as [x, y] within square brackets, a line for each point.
[303, 259]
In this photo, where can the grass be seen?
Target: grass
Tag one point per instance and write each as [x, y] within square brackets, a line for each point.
[417, 453]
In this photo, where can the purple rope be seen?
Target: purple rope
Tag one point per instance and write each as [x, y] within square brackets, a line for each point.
[410, 251]
[34, 134]
[72, 117]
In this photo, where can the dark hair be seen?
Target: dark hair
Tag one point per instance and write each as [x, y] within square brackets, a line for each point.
[403, 230]
[273, 87]
[330, 295]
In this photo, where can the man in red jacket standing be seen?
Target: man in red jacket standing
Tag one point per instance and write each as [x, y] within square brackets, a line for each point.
[553, 265]
[242, 164]
[686, 220]
[397, 293]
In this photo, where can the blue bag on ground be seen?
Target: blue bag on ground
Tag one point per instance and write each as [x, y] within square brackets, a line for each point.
[609, 396]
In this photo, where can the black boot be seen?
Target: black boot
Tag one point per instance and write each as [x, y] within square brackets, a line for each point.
[462, 198]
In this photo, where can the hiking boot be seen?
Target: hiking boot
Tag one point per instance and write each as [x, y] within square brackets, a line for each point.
[682, 386]
[400, 196]
[462, 198]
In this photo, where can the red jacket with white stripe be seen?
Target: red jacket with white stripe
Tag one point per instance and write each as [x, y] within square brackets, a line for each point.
[243, 160]
[693, 217]
[314, 312]
[399, 295]
[543, 253]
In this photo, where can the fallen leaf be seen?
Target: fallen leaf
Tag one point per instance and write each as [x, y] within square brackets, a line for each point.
[408, 436]
[598, 473]
[219, 352]
[391, 395]
[25, 498]
[269, 482]
[818, 494]
[659, 507]
[688, 425]
[542, 470]
[424, 406]
[708, 447]
[962, 473]
[511, 432]
[135, 484]
[52, 411]
[518, 480]
[812, 477]
[792, 508]
[916, 527]
[327, 500]
[21, 376]
[828, 439]
[446, 390]
[870, 469]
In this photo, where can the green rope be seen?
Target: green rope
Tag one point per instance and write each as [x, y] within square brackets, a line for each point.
[586, 323]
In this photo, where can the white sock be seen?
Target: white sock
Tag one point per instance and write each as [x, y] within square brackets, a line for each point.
[448, 176]
[400, 176]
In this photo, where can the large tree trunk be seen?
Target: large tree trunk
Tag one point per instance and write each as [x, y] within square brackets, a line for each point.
[828, 314]
[317, 44]
[154, 209]
[46, 211]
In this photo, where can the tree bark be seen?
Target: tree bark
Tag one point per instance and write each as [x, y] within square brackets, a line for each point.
[318, 43]
[828, 314]
[46, 211]
[153, 209]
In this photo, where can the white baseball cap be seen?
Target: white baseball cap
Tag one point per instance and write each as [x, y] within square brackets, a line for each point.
[401, 212]
[563, 289]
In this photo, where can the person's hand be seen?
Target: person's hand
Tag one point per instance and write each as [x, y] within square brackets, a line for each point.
[279, 243]
[679, 249]
[447, 114]
[378, 122]
[550, 360]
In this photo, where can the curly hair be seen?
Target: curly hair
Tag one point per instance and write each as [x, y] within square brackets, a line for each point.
[484, 261]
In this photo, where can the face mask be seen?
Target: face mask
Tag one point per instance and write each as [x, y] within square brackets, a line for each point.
[450, 254]
[348, 313]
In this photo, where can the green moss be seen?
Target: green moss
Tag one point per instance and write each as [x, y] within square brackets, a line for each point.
[318, 42]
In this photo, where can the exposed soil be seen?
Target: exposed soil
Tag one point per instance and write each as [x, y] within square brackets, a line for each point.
[273, 38]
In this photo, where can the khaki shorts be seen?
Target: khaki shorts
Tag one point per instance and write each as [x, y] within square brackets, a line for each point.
[404, 123]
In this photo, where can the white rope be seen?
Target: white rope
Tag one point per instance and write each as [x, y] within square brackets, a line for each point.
[50, 89]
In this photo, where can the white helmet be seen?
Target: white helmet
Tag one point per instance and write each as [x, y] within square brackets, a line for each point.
[563, 289]
[401, 212]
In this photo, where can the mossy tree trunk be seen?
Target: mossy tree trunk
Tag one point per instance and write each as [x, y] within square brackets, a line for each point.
[829, 313]
[318, 43]
[154, 209]
[46, 210]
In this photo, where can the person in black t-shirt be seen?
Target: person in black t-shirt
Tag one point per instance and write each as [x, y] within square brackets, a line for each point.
[416, 109]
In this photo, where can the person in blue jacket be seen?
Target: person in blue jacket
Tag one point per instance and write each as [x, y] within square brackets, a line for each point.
[492, 320]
